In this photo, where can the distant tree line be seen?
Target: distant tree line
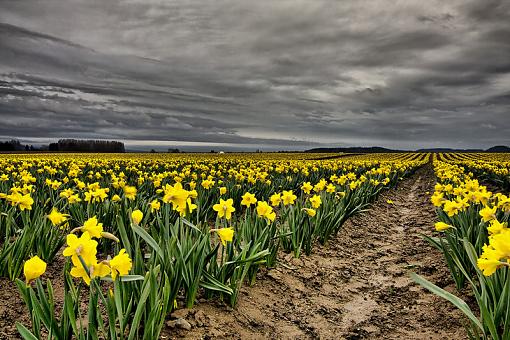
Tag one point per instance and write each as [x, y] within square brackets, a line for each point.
[171, 150]
[75, 145]
[15, 145]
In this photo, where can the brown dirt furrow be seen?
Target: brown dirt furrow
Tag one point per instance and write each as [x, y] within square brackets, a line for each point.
[356, 287]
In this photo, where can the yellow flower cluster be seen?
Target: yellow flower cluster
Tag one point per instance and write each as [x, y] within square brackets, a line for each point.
[83, 250]
[497, 253]
[180, 198]
[457, 192]
[23, 202]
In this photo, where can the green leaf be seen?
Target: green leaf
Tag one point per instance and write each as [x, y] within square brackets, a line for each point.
[140, 308]
[124, 278]
[123, 234]
[189, 224]
[213, 284]
[69, 310]
[24, 332]
[456, 301]
[148, 238]
[433, 241]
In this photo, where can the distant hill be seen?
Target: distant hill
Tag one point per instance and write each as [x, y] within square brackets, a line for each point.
[449, 150]
[378, 149]
[373, 149]
[499, 148]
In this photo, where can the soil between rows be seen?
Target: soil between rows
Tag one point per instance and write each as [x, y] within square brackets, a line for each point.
[356, 287]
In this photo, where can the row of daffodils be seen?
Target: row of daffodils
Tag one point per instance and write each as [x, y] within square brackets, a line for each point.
[139, 235]
[473, 235]
[492, 168]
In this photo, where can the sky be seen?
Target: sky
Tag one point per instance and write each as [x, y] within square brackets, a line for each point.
[265, 74]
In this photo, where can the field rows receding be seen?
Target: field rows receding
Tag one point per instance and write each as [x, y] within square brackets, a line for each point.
[81, 221]
[319, 267]
[357, 286]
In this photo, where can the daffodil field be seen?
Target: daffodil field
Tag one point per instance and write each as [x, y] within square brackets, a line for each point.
[141, 233]
[473, 236]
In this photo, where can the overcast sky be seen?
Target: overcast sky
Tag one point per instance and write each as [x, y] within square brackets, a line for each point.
[269, 74]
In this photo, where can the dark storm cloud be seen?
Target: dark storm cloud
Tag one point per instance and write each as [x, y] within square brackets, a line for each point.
[289, 73]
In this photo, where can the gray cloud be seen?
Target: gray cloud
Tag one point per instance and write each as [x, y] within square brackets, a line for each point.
[290, 74]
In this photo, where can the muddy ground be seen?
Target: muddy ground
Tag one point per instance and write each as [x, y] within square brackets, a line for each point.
[356, 287]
